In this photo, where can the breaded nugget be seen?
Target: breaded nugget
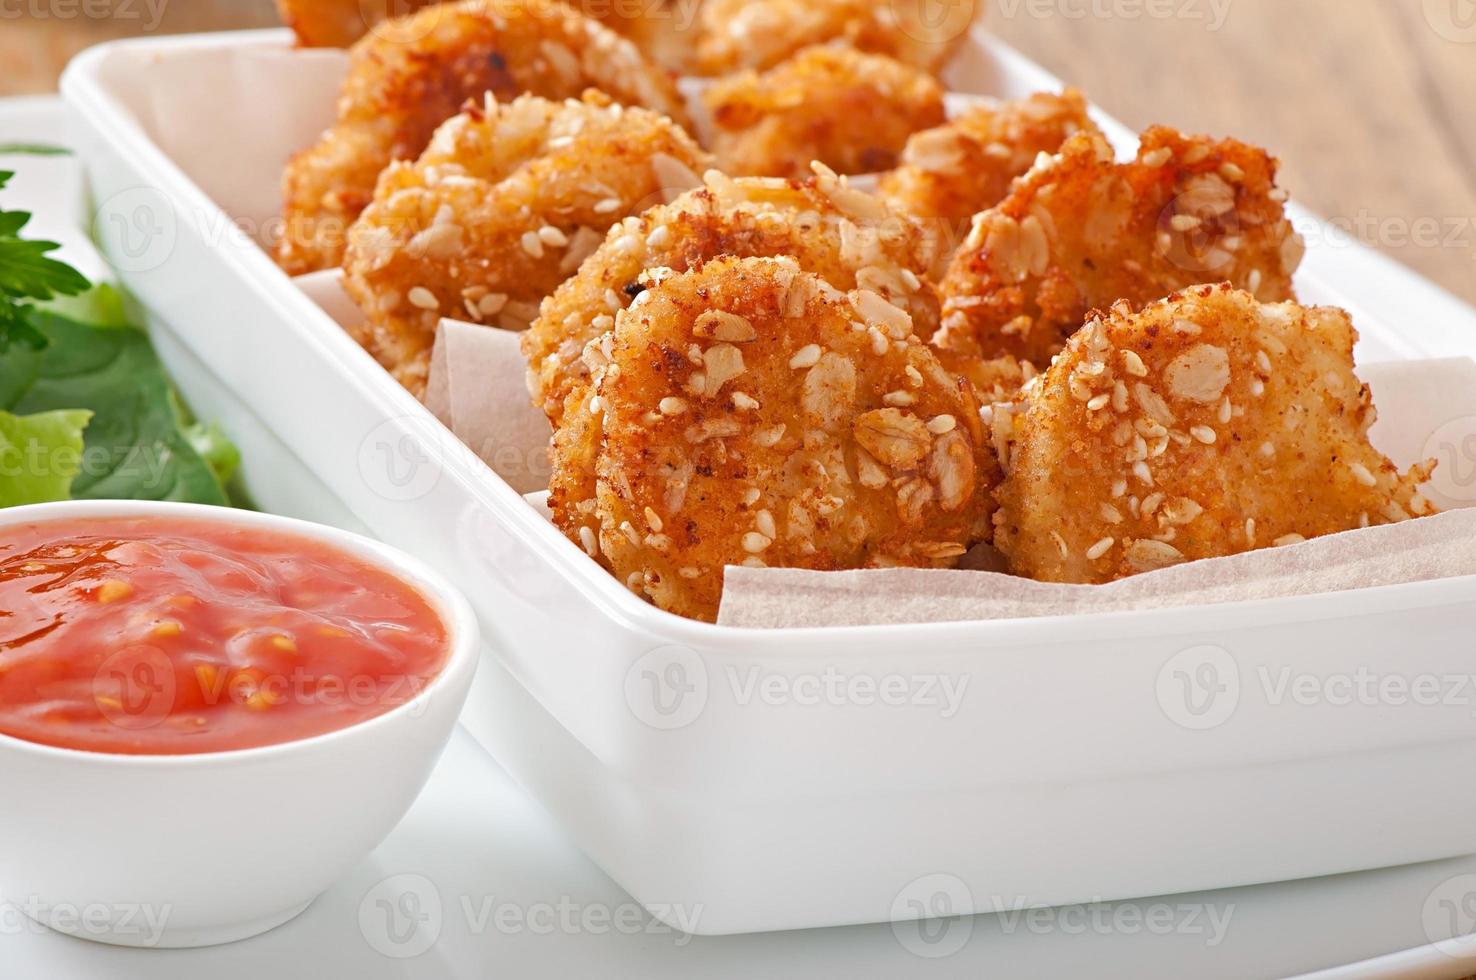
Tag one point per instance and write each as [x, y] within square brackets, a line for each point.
[849, 110]
[951, 173]
[502, 207]
[1080, 232]
[402, 84]
[1207, 425]
[759, 34]
[849, 238]
[750, 413]
[338, 23]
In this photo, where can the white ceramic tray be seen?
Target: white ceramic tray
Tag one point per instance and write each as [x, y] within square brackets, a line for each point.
[1073, 768]
[524, 865]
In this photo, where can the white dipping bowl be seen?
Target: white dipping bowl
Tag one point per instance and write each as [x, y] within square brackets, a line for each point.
[193, 850]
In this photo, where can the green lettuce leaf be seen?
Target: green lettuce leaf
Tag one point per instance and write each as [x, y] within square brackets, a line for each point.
[40, 455]
[138, 445]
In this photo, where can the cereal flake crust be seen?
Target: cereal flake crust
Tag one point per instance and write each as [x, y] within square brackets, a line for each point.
[845, 236]
[850, 110]
[1207, 425]
[503, 205]
[404, 82]
[750, 413]
[1081, 232]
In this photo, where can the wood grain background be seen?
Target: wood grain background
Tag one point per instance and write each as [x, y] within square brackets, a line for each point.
[1371, 104]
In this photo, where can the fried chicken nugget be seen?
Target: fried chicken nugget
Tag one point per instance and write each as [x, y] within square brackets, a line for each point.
[1080, 232]
[839, 233]
[738, 34]
[849, 110]
[1207, 425]
[751, 413]
[951, 173]
[402, 84]
[502, 207]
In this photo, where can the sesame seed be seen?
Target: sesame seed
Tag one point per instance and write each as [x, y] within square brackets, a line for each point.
[1250, 531]
[1119, 487]
[1257, 387]
[1232, 172]
[590, 542]
[1268, 450]
[1100, 548]
[1226, 412]
[492, 304]
[768, 437]
[607, 205]
[672, 406]
[1099, 402]
[764, 521]
[751, 496]
[1362, 475]
[423, 298]
[1204, 434]
[1110, 514]
[1263, 362]
[1184, 222]
[532, 244]
[754, 542]
[550, 235]
[940, 424]
[1141, 471]
[745, 402]
[1287, 539]
[1158, 157]
[653, 520]
[1060, 544]
[914, 376]
[807, 356]
[1133, 364]
[658, 237]
[899, 398]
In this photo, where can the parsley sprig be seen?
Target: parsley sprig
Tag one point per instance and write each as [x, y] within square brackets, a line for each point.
[27, 276]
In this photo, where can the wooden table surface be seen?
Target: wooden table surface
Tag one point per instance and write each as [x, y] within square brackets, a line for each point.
[1371, 104]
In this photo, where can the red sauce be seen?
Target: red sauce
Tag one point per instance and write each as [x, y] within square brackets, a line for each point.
[168, 636]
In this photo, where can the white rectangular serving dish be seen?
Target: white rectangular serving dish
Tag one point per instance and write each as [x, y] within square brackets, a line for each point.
[710, 767]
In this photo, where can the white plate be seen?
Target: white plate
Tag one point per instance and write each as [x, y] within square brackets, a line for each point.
[474, 835]
[687, 793]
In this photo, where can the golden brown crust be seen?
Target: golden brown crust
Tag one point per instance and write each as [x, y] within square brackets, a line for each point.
[951, 173]
[750, 413]
[503, 205]
[1080, 232]
[846, 237]
[403, 83]
[738, 34]
[851, 111]
[1207, 425]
